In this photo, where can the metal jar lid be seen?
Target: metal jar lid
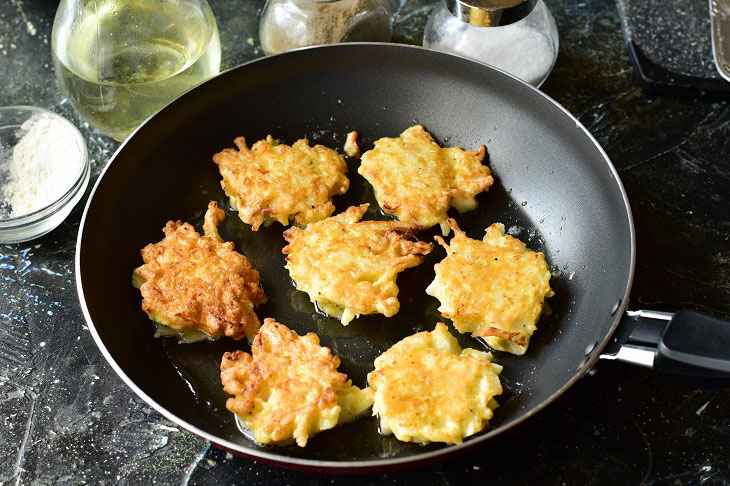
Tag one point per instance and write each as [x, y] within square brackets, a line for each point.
[490, 13]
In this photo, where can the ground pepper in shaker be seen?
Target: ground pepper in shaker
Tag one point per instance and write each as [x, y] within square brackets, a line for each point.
[288, 24]
[517, 36]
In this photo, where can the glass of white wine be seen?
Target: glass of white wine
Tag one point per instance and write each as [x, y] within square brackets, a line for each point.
[119, 61]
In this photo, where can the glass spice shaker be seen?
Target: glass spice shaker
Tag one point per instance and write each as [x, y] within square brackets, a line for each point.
[288, 24]
[517, 36]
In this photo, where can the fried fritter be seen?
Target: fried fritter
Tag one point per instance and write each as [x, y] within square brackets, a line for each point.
[427, 389]
[417, 180]
[277, 182]
[289, 388]
[351, 147]
[493, 288]
[349, 267]
[197, 285]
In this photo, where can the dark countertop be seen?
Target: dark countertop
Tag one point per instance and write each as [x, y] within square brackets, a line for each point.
[67, 418]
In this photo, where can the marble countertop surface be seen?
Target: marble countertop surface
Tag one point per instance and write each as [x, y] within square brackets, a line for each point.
[65, 416]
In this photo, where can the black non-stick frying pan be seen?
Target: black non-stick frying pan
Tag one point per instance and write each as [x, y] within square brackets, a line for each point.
[555, 189]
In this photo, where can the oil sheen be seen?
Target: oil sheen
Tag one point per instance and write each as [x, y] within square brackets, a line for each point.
[123, 60]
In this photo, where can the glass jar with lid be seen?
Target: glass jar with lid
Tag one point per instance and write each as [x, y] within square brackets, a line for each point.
[289, 24]
[517, 36]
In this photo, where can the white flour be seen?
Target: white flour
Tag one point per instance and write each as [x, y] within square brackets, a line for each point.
[44, 165]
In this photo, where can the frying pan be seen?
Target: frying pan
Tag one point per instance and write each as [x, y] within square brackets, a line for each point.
[555, 189]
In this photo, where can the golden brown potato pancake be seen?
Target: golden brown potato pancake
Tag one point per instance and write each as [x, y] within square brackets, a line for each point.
[272, 181]
[349, 267]
[352, 149]
[495, 289]
[197, 284]
[417, 180]
[427, 389]
[288, 388]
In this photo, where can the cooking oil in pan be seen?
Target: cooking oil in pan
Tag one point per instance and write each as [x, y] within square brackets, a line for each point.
[119, 62]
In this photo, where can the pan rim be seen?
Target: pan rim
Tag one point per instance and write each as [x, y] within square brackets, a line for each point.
[367, 466]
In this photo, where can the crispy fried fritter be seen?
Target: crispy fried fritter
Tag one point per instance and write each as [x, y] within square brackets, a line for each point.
[494, 288]
[348, 267]
[289, 388]
[193, 284]
[280, 182]
[352, 149]
[417, 180]
[427, 389]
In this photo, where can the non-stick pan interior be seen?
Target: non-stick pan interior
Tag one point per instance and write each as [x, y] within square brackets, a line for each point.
[554, 189]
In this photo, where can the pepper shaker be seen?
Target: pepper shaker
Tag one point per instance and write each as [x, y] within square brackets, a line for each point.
[517, 36]
[289, 24]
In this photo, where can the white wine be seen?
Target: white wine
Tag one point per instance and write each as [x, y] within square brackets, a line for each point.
[125, 59]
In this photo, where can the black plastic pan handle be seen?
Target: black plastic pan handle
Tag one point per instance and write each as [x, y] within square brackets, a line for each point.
[687, 348]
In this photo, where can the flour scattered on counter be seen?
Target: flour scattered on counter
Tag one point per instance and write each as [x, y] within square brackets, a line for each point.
[44, 165]
[28, 24]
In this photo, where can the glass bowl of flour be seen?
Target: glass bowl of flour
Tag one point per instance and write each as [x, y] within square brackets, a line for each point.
[44, 171]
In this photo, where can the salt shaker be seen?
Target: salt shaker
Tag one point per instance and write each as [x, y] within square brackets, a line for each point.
[288, 24]
[517, 36]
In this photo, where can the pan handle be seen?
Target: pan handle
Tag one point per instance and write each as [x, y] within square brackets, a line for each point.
[687, 348]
